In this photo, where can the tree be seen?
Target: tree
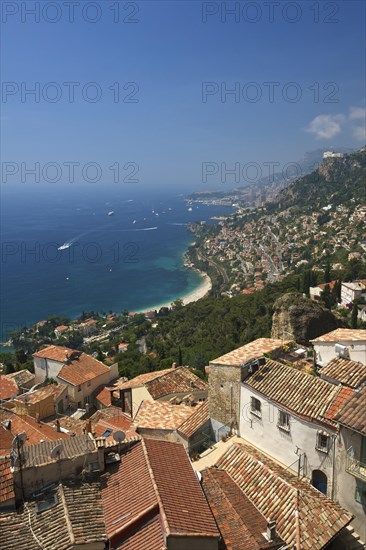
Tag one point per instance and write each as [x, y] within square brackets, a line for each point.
[354, 315]
[327, 272]
[326, 297]
[180, 358]
[20, 356]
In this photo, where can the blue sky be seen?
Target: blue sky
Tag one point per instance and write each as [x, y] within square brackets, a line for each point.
[167, 54]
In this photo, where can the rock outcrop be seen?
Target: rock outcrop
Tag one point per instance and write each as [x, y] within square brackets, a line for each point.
[300, 319]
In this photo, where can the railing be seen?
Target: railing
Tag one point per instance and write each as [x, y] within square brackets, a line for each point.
[356, 468]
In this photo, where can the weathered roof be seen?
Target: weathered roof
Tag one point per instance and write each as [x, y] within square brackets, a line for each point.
[104, 396]
[114, 423]
[148, 536]
[154, 486]
[353, 412]
[75, 519]
[198, 418]
[141, 379]
[253, 350]
[306, 519]
[342, 396]
[307, 396]
[82, 369]
[6, 481]
[8, 388]
[178, 380]
[56, 353]
[167, 382]
[54, 390]
[36, 431]
[183, 502]
[241, 524]
[342, 335]
[35, 455]
[161, 415]
[21, 377]
[348, 373]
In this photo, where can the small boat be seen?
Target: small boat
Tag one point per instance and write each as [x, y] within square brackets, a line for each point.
[64, 246]
[190, 209]
[134, 221]
[110, 213]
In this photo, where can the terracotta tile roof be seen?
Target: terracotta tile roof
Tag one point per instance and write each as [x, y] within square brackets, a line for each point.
[166, 382]
[353, 412]
[161, 415]
[250, 351]
[240, 522]
[39, 453]
[342, 396]
[6, 481]
[149, 536]
[56, 353]
[75, 519]
[54, 390]
[342, 335]
[6, 441]
[198, 418]
[82, 369]
[182, 499]
[104, 396]
[36, 431]
[178, 380]
[348, 373]
[8, 388]
[307, 396]
[72, 425]
[154, 487]
[118, 422]
[128, 493]
[278, 494]
[142, 379]
[21, 377]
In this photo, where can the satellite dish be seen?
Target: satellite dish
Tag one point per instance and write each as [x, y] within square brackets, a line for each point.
[19, 439]
[119, 436]
[56, 451]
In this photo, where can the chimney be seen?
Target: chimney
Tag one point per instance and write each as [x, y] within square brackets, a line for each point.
[57, 425]
[271, 529]
[38, 418]
[174, 365]
[88, 427]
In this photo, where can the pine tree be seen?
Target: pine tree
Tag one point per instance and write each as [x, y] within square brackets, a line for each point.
[354, 315]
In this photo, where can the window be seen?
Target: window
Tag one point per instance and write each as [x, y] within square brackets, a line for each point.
[283, 421]
[255, 406]
[89, 383]
[79, 388]
[322, 442]
[360, 493]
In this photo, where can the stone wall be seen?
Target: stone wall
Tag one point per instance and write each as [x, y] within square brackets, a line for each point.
[224, 394]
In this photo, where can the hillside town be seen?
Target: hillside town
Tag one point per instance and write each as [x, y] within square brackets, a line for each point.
[251, 458]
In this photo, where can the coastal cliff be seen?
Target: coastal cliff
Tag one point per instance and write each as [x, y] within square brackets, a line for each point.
[300, 319]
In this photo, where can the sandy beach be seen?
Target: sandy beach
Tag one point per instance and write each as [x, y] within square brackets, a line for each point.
[193, 296]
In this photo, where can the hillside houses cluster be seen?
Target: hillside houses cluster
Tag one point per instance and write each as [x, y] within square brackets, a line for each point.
[255, 251]
[262, 456]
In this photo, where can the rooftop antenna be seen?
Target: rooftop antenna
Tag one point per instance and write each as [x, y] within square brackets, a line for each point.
[119, 436]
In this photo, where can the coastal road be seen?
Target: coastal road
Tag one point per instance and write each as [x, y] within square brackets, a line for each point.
[218, 268]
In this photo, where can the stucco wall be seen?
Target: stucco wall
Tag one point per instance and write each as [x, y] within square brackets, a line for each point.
[138, 396]
[46, 368]
[325, 351]
[346, 483]
[224, 394]
[86, 389]
[264, 433]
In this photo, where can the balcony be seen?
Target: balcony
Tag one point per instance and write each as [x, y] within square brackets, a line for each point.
[356, 468]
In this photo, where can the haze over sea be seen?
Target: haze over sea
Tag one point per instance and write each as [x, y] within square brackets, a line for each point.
[130, 260]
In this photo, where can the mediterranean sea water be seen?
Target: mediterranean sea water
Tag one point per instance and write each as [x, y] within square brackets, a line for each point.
[130, 260]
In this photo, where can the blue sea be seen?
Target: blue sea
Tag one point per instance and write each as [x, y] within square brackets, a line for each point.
[130, 260]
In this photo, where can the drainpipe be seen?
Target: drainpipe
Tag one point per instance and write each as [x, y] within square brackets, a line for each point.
[231, 406]
[333, 467]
